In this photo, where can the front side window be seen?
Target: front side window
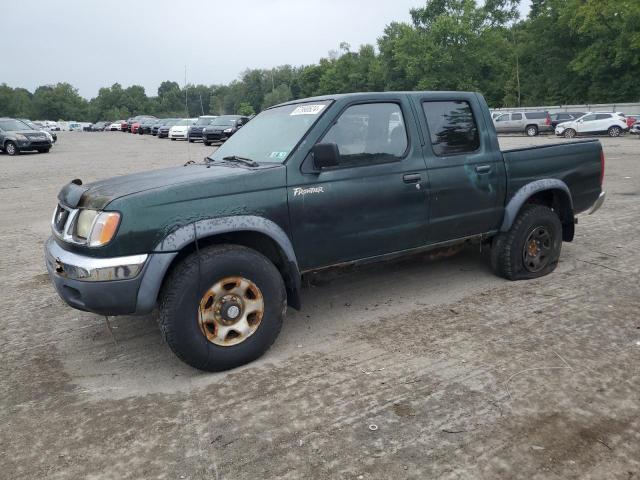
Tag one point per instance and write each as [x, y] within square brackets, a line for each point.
[369, 133]
[588, 118]
[503, 118]
[452, 127]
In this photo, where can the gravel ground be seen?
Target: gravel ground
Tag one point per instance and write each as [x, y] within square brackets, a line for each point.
[423, 368]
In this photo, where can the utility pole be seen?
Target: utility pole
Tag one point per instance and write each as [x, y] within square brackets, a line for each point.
[186, 107]
[515, 49]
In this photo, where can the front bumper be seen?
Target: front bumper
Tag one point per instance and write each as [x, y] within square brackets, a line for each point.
[33, 144]
[107, 286]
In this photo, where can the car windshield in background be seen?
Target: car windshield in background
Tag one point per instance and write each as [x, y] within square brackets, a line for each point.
[223, 122]
[13, 125]
[272, 134]
[184, 122]
[204, 121]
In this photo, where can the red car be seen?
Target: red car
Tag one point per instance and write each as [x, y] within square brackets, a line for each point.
[134, 127]
[632, 119]
[123, 126]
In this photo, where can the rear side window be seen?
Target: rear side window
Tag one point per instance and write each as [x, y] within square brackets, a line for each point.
[369, 133]
[564, 116]
[516, 116]
[535, 115]
[602, 116]
[452, 127]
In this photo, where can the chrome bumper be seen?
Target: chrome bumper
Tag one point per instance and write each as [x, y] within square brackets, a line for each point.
[78, 267]
[596, 206]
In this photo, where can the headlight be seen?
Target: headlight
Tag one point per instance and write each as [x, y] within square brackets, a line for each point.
[204, 130]
[49, 136]
[19, 136]
[98, 228]
[228, 130]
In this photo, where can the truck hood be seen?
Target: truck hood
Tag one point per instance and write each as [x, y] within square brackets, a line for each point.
[98, 195]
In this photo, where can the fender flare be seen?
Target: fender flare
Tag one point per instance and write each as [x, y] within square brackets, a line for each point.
[185, 235]
[525, 192]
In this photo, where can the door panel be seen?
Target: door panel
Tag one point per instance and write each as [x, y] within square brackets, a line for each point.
[362, 209]
[466, 174]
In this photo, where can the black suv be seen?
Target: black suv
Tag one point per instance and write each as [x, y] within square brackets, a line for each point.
[560, 117]
[222, 128]
[17, 136]
[195, 130]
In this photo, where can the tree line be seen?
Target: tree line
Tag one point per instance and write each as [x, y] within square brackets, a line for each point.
[563, 52]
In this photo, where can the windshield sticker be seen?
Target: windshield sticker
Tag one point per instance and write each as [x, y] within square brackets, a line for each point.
[278, 155]
[307, 110]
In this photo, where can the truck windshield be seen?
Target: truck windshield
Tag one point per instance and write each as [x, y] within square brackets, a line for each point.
[273, 133]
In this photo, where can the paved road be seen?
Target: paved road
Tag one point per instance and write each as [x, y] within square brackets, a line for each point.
[464, 375]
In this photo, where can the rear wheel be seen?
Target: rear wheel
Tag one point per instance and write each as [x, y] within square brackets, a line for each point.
[531, 130]
[11, 148]
[173, 139]
[569, 133]
[223, 308]
[207, 144]
[614, 131]
[531, 247]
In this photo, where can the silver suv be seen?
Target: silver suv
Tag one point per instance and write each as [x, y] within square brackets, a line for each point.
[531, 123]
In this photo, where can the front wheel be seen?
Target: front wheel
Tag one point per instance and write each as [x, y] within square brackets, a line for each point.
[11, 148]
[222, 308]
[531, 247]
[569, 133]
[173, 139]
[614, 131]
[206, 144]
[531, 131]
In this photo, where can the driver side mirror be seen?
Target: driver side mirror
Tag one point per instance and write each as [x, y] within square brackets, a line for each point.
[325, 155]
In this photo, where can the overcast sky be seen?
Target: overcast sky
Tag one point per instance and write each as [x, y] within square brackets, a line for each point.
[95, 43]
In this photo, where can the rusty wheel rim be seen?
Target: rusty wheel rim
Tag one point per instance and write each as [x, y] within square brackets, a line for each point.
[230, 311]
[537, 249]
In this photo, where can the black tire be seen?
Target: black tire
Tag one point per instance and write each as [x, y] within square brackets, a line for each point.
[190, 140]
[206, 144]
[531, 130]
[614, 131]
[173, 139]
[44, 150]
[11, 148]
[183, 290]
[510, 257]
[569, 133]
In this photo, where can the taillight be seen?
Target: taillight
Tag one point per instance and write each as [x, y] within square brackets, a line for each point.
[601, 166]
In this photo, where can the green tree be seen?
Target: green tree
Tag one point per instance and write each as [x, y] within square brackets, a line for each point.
[281, 94]
[246, 109]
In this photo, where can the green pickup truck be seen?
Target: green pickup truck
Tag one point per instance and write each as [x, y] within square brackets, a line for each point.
[219, 246]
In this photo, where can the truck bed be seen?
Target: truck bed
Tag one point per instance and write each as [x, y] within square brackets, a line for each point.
[577, 163]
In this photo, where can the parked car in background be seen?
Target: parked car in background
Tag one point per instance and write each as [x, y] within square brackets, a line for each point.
[560, 117]
[529, 123]
[38, 126]
[74, 127]
[222, 128]
[632, 119]
[115, 126]
[195, 132]
[163, 131]
[613, 124]
[17, 136]
[181, 129]
[158, 124]
[99, 126]
[635, 128]
[146, 125]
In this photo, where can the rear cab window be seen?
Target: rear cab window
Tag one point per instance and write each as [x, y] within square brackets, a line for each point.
[452, 127]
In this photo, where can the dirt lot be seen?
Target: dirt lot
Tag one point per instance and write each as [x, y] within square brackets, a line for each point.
[464, 375]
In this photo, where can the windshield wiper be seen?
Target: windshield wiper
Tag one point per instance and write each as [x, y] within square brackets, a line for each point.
[245, 161]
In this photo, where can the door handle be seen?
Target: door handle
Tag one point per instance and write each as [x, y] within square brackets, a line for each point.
[412, 178]
[483, 168]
